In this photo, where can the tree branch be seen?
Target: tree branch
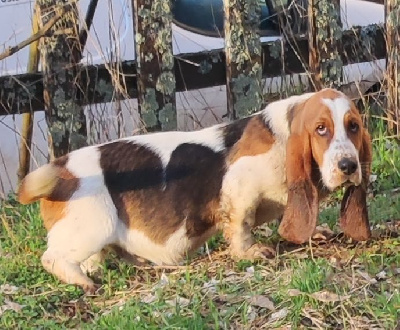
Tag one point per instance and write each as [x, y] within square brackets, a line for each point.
[36, 36]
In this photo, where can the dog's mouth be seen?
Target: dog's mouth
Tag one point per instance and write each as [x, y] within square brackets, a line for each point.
[342, 182]
[348, 183]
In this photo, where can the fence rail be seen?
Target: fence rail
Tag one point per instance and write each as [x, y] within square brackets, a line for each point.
[192, 71]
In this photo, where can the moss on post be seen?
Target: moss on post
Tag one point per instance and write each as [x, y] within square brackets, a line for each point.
[392, 12]
[325, 43]
[155, 64]
[243, 57]
[59, 55]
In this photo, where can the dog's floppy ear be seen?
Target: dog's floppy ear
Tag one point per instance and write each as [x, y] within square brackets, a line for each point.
[300, 215]
[353, 212]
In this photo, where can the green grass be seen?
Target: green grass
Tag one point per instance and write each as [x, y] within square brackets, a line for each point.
[334, 284]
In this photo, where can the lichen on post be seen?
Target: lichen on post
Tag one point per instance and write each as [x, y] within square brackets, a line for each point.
[325, 43]
[243, 57]
[392, 13]
[155, 64]
[60, 52]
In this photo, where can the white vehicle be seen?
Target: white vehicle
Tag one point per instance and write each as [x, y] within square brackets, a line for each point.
[111, 39]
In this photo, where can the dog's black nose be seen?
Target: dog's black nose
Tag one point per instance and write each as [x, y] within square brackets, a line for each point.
[347, 166]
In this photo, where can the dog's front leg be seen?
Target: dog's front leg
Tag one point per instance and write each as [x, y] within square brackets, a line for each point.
[237, 231]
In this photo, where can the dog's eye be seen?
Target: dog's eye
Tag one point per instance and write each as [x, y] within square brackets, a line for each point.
[353, 126]
[322, 130]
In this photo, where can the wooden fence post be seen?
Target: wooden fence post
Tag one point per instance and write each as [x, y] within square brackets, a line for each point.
[27, 118]
[392, 14]
[155, 64]
[60, 53]
[325, 43]
[243, 57]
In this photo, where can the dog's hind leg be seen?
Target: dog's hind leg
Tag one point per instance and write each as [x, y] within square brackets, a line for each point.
[68, 271]
[74, 239]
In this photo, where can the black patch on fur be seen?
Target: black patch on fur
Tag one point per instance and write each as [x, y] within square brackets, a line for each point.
[61, 161]
[194, 179]
[157, 201]
[290, 115]
[233, 131]
[129, 167]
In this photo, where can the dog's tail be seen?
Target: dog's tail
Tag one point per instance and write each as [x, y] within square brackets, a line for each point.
[39, 183]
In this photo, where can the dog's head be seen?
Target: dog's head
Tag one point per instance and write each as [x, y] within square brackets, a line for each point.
[327, 148]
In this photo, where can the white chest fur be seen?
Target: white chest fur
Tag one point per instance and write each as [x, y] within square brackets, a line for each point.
[254, 179]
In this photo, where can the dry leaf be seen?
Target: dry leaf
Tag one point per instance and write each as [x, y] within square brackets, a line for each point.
[326, 296]
[367, 277]
[250, 270]
[251, 314]
[319, 237]
[264, 230]
[210, 286]
[148, 299]
[281, 314]
[322, 232]
[294, 292]
[230, 298]
[9, 305]
[178, 301]
[163, 281]
[381, 275]
[262, 301]
[301, 255]
[8, 289]
[372, 178]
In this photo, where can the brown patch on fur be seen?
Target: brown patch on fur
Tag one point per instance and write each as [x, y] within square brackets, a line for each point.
[23, 196]
[51, 212]
[329, 93]
[52, 208]
[300, 216]
[257, 139]
[158, 201]
[354, 213]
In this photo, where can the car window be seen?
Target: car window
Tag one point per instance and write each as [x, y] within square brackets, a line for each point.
[206, 17]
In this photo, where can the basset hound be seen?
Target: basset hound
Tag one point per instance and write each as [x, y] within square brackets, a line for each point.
[161, 195]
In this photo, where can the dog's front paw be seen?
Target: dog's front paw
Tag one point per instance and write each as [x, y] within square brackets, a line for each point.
[256, 251]
[91, 288]
[260, 251]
